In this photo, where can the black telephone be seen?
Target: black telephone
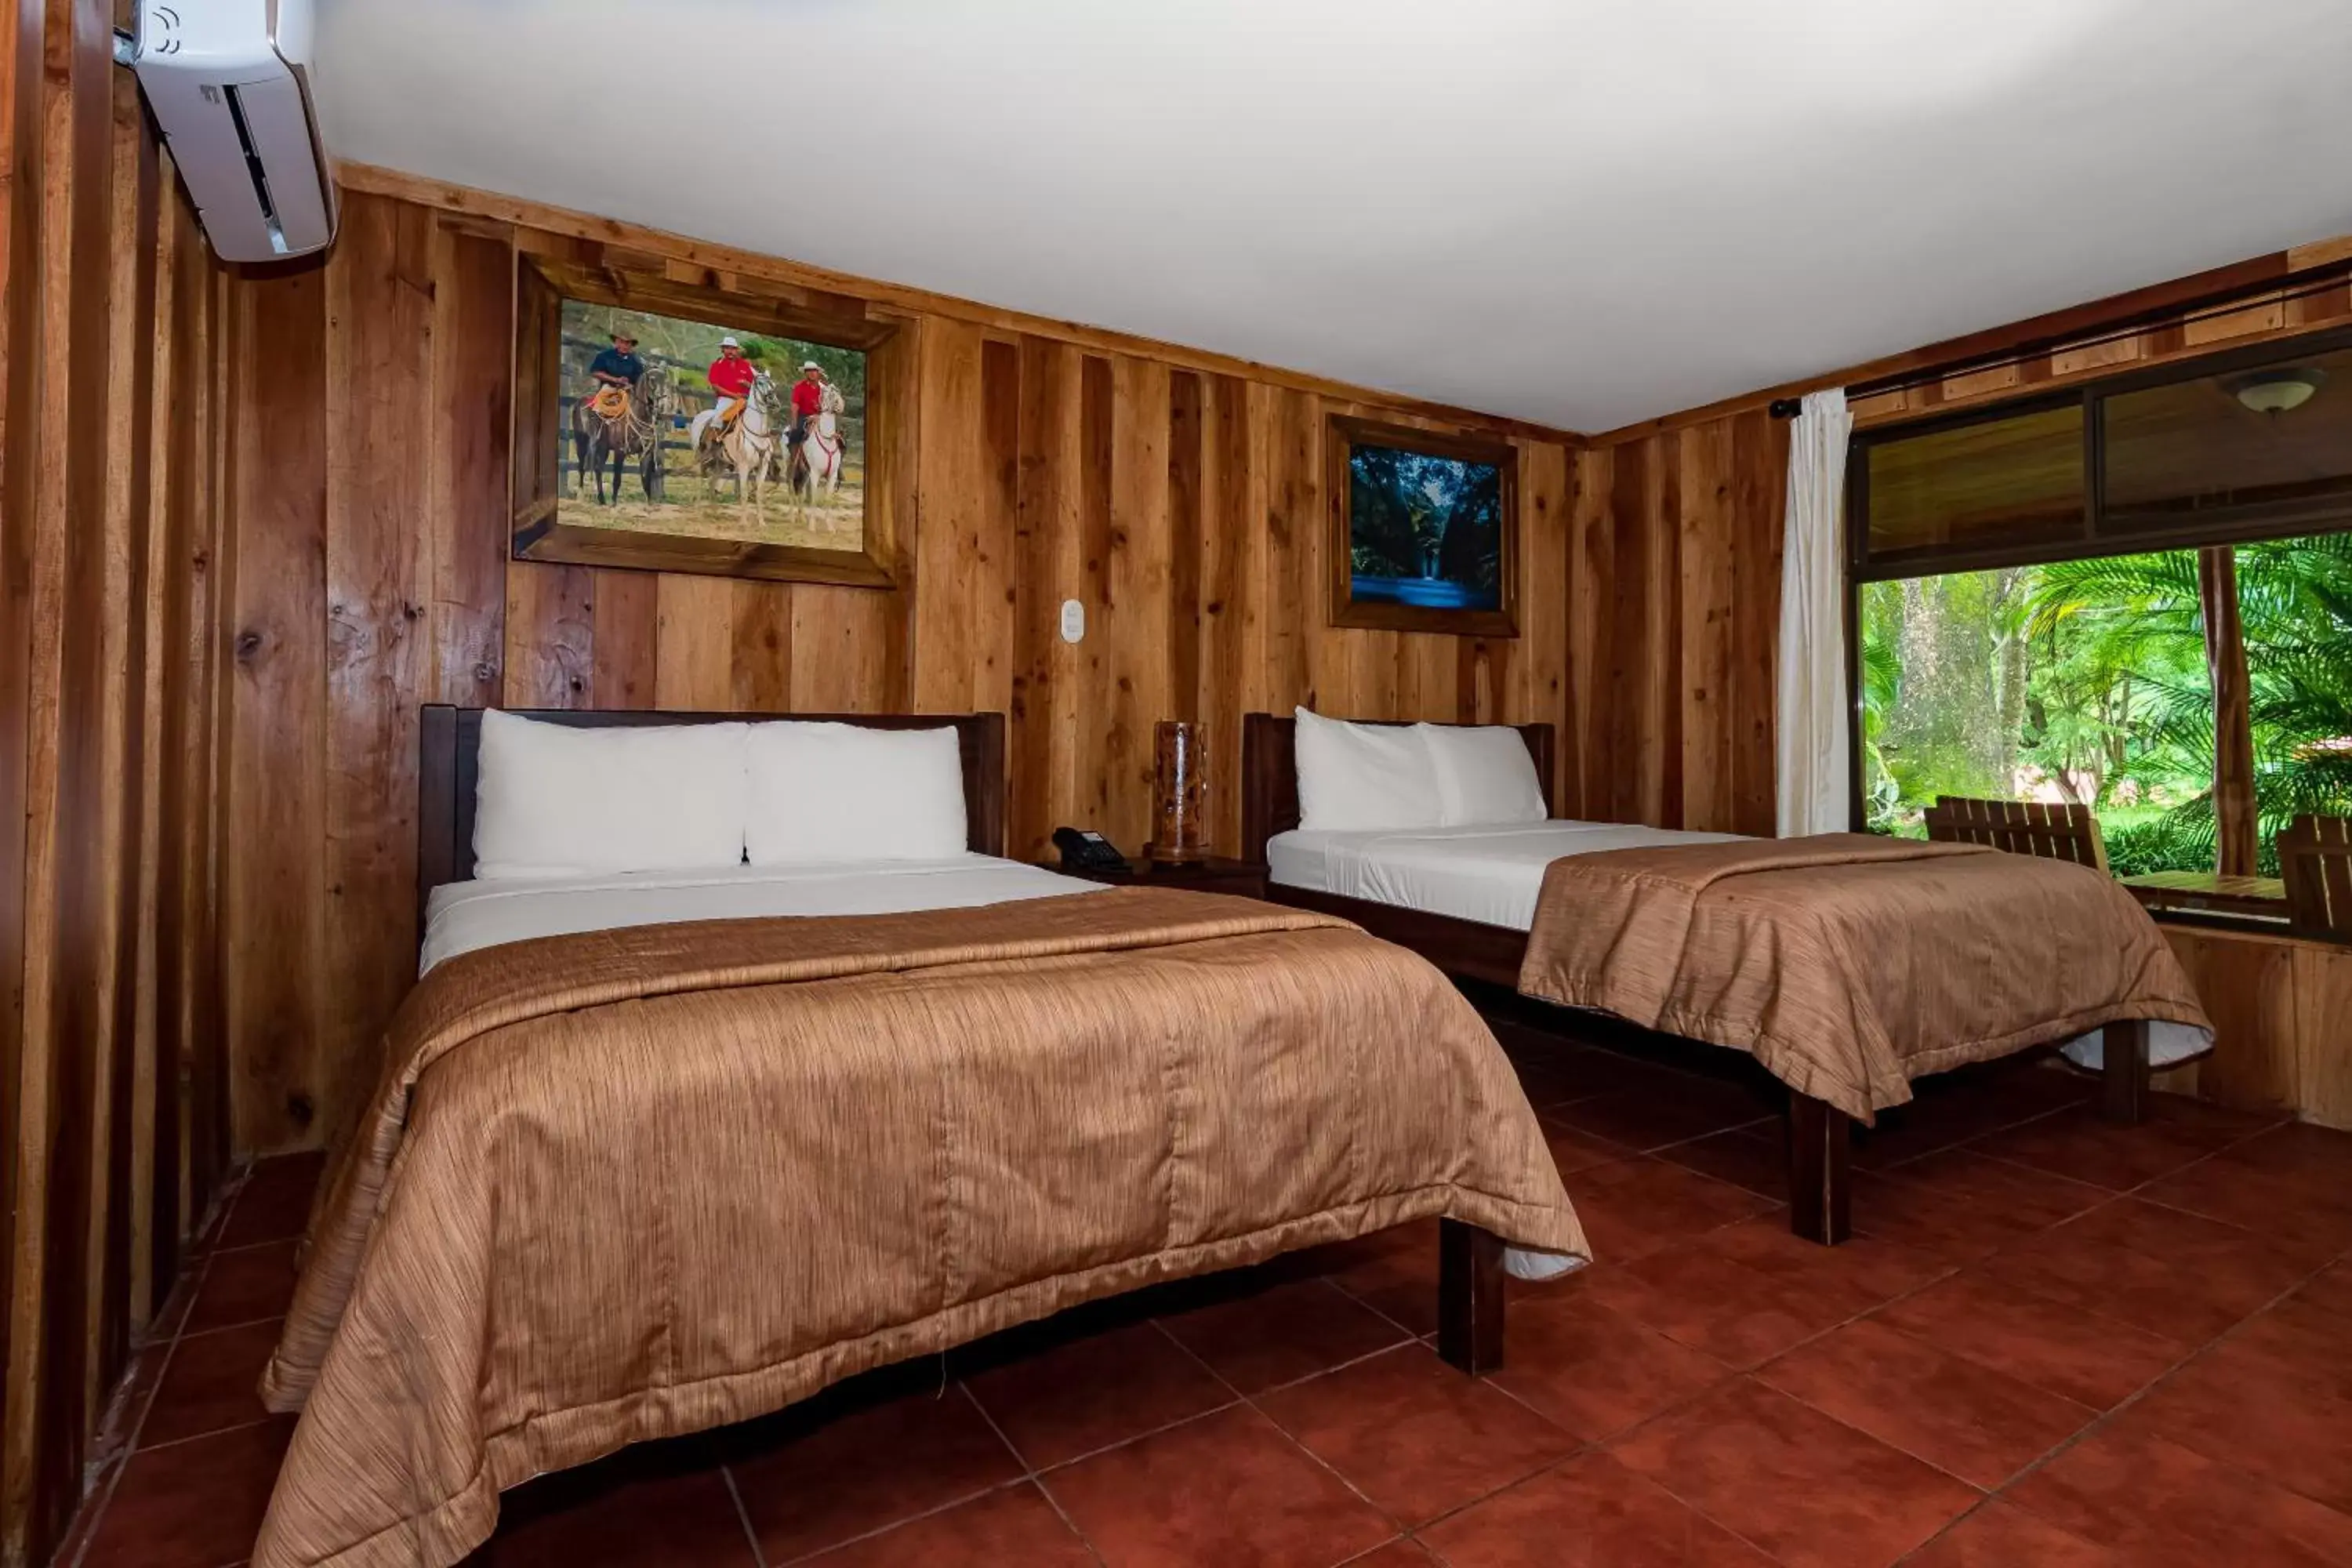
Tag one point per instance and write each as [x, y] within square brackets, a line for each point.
[1085, 850]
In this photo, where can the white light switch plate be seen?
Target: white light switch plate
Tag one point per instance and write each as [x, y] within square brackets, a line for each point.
[1074, 621]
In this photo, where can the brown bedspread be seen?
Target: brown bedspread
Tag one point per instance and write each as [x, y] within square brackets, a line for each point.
[633, 1183]
[1848, 963]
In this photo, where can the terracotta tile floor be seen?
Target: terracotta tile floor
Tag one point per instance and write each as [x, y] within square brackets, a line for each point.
[2054, 1343]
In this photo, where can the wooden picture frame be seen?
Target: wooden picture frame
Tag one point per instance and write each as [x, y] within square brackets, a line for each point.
[1342, 435]
[539, 533]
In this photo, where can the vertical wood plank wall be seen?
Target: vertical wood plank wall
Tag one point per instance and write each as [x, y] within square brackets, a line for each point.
[1676, 541]
[112, 1103]
[1180, 500]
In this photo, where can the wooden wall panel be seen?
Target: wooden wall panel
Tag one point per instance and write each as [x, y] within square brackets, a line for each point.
[378, 572]
[1704, 538]
[1759, 511]
[1675, 589]
[1182, 504]
[2247, 985]
[110, 1121]
[1585, 790]
[276, 882]
[2323, 1035]
[627, 640]
[1046, 572]
[63, 1124]
[467, 409]
[1540, 668]
[952, 493]
[2282, 1011]
[119, 1157]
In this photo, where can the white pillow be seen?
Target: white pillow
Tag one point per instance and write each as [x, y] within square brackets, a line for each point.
[1356, 776]
[554, 801]
[1485, 774]
[841, 792]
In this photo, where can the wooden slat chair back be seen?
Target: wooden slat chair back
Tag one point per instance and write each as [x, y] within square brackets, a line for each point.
[2053, 832]
[2315, 862]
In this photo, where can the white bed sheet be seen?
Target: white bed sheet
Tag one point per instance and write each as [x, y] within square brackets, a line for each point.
[1491, 875]
[464, 916]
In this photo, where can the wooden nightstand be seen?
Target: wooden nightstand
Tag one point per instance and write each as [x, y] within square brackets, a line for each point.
[1242, 878]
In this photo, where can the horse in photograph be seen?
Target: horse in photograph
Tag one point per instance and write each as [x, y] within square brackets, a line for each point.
[619, 425]
[749, 445]
[817, 460]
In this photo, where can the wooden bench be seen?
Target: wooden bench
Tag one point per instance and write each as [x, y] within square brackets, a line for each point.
[2058, 831]
[2315, 863]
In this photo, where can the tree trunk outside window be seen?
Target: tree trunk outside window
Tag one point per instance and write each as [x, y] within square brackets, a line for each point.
[2236, 832]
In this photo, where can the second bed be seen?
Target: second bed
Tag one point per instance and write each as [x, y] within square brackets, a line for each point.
[1847, 965]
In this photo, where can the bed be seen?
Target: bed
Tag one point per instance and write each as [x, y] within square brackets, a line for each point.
[1635, 922]
[655, 1150]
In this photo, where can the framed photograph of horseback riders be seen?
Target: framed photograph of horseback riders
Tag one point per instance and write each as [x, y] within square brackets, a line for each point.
[1422, 530]
[663, 427]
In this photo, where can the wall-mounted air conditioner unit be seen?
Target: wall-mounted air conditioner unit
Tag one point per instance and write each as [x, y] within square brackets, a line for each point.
[229, 82]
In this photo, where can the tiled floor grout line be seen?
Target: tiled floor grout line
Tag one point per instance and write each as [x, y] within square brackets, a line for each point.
[229, 1328]
[1267, 1417]
[959, 1500]
[1320, 1462]
[1987, 1495]
[101, 1496]
[211, 1328]
[1585, 1448]
[1369, 1305]
[1041, 1472]
[194, 1271]
[742, 1514]
[2109, 1417]
[1235, 1398]
[1034, 1476]
[1589, 1446]
[2104, 1419]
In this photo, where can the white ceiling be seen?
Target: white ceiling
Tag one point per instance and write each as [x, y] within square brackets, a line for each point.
[1584, 213]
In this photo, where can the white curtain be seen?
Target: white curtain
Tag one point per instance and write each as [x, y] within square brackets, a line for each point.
[1815, 789]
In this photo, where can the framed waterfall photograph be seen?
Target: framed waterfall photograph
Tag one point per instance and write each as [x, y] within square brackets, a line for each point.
[1423, 535]
[672, 429]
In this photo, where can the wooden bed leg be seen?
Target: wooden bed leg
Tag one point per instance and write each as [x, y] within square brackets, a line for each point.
[1821, 1156]
[1469, 1297]
[2123, 1071]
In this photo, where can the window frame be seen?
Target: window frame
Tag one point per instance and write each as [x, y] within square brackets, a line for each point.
[2221, 525]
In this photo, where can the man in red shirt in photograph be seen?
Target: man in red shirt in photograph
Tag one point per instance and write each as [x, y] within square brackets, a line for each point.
[808, 400]
[732, 376]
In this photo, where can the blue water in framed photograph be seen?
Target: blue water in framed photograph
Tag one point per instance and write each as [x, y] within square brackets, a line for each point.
[1425, 593]
[1424, 530]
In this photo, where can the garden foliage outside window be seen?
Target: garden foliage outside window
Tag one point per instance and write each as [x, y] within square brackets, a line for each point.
[2013, 643]
[2086, 681]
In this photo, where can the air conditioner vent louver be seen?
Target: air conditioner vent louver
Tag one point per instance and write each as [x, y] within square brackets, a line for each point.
[229, 84]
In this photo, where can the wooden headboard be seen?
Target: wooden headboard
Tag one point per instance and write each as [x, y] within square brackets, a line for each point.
[451, 748]
[1270, 773]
